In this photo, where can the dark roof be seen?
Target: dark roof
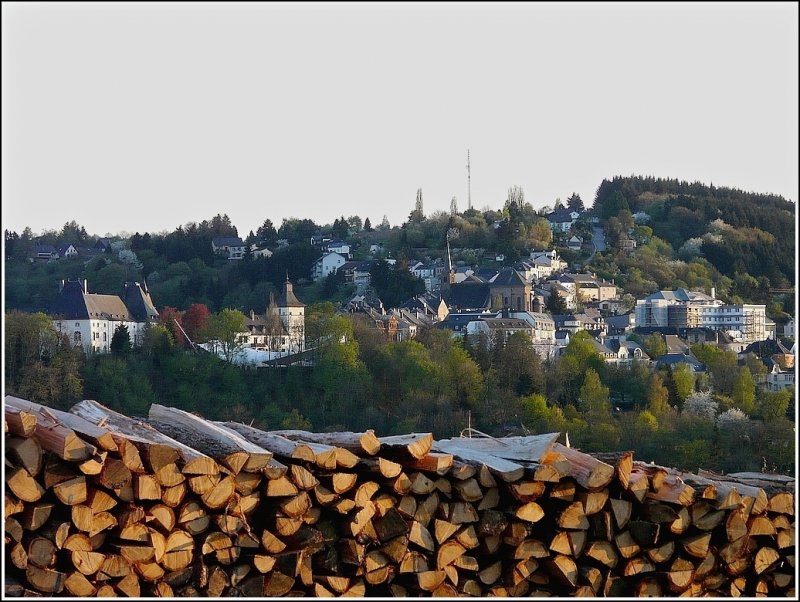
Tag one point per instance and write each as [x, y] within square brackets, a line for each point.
[766, 348]
[672, 359]
[74, 303]
[102, 243]
[227, 241]
[70, 303]
[137, 299]
[44, 249]
[619, 322]
[468, 295]
[455, 321]
[501, 323]
[287, 298]
[485, 274]
[509, 277]
[560, 215]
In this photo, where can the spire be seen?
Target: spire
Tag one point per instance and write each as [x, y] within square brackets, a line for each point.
[287, 298]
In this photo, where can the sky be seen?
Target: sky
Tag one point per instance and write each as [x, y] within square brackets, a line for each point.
[143, 117]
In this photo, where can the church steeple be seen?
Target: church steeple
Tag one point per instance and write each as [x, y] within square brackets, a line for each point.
[449, 274]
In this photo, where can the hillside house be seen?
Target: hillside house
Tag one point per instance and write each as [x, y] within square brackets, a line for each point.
[231, 247]
[337, 246]
[326, 265]
[90, 319]
[259, 250]
[67, 251]
[44, 253]
[562, 220]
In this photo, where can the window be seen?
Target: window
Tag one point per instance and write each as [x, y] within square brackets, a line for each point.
[105, 336]
[77, 337]
[77, 324]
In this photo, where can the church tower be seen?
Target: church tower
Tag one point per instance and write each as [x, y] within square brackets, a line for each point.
[292, 314]
[449, 273]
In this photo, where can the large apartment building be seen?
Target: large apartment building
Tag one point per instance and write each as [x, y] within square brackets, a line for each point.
[680, 308]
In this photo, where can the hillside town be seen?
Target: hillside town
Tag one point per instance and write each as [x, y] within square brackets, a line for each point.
[539, 297]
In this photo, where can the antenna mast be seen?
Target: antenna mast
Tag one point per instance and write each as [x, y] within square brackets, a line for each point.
[469, 184]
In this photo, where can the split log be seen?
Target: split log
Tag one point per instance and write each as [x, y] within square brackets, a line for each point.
[357, 443]
[86, 430]
[236, 452]
[53, 436]
[588, 472]
[196, 463]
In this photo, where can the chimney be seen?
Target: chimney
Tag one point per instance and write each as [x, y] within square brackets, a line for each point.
[713, 293]
[85, 286]
[61, 287]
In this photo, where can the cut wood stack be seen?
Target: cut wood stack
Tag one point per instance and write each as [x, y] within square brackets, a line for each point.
[100, 504]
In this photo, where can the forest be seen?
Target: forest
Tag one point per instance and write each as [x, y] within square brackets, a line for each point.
[719, 420]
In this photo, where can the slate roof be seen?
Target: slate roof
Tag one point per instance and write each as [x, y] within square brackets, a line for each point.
[766, 348]
[485, 274]
[42, 249]
[560, 216]
[227, 241]
[458, 322]
[137, 299]
[505, 323]
[673, 359]
[680, 294]
[509, 277]
[468, 295]
[287, 298]
[73, 303]
[619, 322]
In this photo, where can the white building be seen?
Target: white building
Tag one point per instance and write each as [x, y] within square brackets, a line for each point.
[232, 247]
[90, 319]
[689, 309]
[326, 265]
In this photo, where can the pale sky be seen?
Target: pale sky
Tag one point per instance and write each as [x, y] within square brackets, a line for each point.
[142, 117]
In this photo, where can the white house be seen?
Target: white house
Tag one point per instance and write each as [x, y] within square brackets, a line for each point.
[778, 379]
[67, 251]
[546, 263]
[326, 265]
[788, 328]
[231, 246]
[574, 243]
[259, 251]
[90, 319]
[562, 219]
[338, 246]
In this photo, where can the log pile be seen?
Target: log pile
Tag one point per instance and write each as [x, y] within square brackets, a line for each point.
[100, 504]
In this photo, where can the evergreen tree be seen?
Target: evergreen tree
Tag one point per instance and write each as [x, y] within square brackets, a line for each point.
[367, 225]
[121, 341]
[575, 203]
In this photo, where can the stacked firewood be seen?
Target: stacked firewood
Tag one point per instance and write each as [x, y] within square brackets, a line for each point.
[101, 504]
